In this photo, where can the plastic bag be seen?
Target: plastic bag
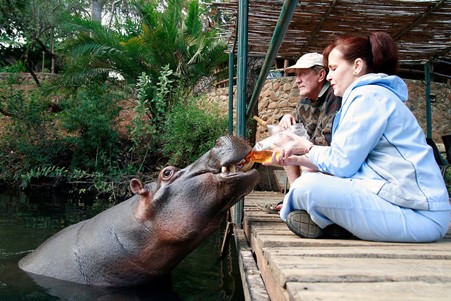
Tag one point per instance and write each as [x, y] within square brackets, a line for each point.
[278, 135]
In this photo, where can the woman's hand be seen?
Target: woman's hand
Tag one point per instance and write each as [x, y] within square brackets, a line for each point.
[281, 157]
[289, 149]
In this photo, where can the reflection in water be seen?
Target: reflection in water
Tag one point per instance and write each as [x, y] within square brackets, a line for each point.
[161, 290]
[25, 224]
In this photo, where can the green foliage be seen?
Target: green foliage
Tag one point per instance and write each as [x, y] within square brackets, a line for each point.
[190, 131]
[68, 133]
[30, 27]
[170, 33]
[40, 172]
[81, 182]
[89, 117]
[142, 128]
[151, 106]
[12, 17]
[19, 67]
[78, 142]
[95, 52]
[30, 137]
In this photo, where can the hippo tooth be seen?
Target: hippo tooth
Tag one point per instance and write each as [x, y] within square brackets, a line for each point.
[247, 166]
[228, 169]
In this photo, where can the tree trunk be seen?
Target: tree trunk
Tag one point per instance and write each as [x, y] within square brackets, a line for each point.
[96, 9]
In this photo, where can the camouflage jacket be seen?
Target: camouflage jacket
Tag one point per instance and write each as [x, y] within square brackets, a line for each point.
[317, 116]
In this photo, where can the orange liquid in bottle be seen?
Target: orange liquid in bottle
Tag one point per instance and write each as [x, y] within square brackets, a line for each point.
[264, 156]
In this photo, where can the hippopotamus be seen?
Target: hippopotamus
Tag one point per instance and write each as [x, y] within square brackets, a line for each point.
[143, 238]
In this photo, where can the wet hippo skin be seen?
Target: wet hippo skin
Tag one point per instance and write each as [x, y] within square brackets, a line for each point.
[146, 236]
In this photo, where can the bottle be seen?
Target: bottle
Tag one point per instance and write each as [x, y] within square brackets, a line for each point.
[263, 156]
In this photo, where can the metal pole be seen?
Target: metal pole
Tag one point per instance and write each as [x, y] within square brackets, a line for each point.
[283, 22]
[243, 12]
[427, 78]
[231, 73]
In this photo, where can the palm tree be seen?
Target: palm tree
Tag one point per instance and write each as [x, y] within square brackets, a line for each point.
[172, 34]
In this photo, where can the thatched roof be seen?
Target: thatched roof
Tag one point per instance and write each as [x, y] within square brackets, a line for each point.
[421, 28]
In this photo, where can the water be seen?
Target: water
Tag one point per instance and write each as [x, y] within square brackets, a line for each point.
[24, 224]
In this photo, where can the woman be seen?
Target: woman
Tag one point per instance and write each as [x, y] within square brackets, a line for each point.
[378, 179]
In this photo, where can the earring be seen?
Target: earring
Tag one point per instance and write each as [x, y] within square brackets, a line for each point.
[355, 72]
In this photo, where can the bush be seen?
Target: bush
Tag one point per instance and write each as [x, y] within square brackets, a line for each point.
[30, 138]
[16, 68]
[152, 101]
[45, 142]
[190, 130]
[89, 118]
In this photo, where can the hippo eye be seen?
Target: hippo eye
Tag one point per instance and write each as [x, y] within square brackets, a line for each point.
[167, 173]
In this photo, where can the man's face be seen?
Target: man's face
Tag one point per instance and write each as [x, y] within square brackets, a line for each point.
[310, 82]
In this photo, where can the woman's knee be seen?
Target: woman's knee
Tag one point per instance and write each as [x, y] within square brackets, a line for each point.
[307, 180]
[321, 190]
[309, 189]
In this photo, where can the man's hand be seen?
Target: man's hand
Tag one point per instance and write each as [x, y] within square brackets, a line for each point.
[287, 121]
[291, 143]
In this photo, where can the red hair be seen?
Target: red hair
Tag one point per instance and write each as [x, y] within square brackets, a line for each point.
[378, 51]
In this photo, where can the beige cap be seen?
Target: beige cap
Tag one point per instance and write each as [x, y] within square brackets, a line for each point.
[306, 61]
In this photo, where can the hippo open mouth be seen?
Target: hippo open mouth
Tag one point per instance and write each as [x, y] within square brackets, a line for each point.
[230, 155]
[240, 169]
[243, 166]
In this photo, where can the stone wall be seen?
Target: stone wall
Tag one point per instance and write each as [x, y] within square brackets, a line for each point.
[279, 96]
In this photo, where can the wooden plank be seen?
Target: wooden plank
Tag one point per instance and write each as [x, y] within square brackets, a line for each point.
[266, 238]
[327, 269]
[373, 291]
[253, 287]
[391, 252]
[275, 290]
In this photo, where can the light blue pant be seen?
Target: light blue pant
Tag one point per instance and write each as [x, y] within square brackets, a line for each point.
[330, 199]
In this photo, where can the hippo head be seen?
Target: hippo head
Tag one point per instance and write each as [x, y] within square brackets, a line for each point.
[185, 205]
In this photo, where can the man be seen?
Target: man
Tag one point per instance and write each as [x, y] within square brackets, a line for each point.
[317, 107]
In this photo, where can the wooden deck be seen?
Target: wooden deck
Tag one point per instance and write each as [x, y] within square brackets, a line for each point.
[277, 265]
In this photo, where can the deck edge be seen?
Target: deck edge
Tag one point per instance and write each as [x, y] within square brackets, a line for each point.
[253, 286]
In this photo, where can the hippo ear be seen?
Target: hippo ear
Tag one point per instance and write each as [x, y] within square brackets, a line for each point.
[137, 187]
[142, 210]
